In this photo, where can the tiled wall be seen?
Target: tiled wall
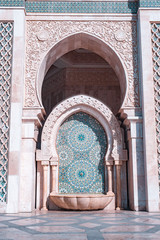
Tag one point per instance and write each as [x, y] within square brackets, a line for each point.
[6, 35]
[80, 6]
[12, 3]
[81, 145]
[149, 3]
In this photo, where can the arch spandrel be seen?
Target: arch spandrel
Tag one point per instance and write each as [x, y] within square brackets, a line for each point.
[91, 106]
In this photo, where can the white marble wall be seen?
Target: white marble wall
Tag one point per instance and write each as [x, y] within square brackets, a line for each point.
[145, 17]
[18, 18]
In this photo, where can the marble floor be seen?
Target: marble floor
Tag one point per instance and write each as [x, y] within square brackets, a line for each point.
[68, 225]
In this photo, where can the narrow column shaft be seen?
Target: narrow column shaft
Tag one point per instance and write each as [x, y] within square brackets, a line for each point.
[54, 168]
[118, 186]
[109, 173]
[45, 176]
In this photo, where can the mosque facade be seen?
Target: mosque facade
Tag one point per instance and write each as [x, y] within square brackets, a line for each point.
[79, 105]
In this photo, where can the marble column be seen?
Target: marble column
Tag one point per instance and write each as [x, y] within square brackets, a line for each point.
[118, 165]
[54, 177]
[109, 166]
[45, 165]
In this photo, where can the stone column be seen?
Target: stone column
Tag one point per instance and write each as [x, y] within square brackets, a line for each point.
[45, 165]
[145, 18]
[118, 165]
[53, 177]
[136, 173]
[28, 166]
[109, 165]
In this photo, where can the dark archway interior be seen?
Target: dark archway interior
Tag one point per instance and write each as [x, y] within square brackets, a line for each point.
[81, 72]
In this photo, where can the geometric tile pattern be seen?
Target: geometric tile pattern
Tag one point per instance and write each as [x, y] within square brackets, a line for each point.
[81, 146]
[12, 3]
[149, 3]
[155, 31]
[6, 35]
[93, 225]
[82, 6]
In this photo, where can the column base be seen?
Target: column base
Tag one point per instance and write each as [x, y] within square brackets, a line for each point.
[44, 209]
[110, 193]
[118, 208]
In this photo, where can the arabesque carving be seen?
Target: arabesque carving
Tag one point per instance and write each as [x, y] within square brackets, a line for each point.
[37, 48]
[117, 148]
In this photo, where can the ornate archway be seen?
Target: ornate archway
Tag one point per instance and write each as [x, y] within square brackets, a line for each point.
[91, 43]
[48, 154]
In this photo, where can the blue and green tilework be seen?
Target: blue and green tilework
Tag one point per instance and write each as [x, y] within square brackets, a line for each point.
[81, 146]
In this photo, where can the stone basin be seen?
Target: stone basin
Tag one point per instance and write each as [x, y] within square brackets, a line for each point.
[81, 201]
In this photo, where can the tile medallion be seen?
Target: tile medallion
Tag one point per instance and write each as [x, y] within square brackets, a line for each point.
[81, 146]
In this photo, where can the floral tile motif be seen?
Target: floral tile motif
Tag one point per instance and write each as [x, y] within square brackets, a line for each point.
[81, 145]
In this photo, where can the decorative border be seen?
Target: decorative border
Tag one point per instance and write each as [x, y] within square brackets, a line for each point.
[69, 6]
[149, 3]
[155, 30]
[82, 7]
[6, 38]
[12, 3]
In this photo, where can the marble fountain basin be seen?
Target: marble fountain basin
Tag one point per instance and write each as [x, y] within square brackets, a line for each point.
[81, 201]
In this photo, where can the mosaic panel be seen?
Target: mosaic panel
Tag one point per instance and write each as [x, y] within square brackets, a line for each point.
[149, 3]
[12, 3]
[6, 35]
[81, 146]
[82, 7]
[156, 77]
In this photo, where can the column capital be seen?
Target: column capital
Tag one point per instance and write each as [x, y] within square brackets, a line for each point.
[109, 163]
[52, 163]
[118, 162]
[54, 159]
[45, 163]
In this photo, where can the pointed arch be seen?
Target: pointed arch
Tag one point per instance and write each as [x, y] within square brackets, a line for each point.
[88, 42]
[92, 107]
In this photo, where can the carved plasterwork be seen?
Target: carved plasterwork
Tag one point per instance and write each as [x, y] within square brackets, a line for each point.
[38, 44]
[96, 108]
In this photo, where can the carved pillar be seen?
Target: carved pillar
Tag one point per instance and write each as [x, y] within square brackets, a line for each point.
[45, 165]
[54, 178]
[118, 165]
[109, 165]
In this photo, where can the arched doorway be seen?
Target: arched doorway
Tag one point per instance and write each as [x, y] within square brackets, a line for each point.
[91, 44]
[48, 157]
[54, 68]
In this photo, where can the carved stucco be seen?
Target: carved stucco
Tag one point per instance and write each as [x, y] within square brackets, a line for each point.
[43, 35]
[78, 103]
